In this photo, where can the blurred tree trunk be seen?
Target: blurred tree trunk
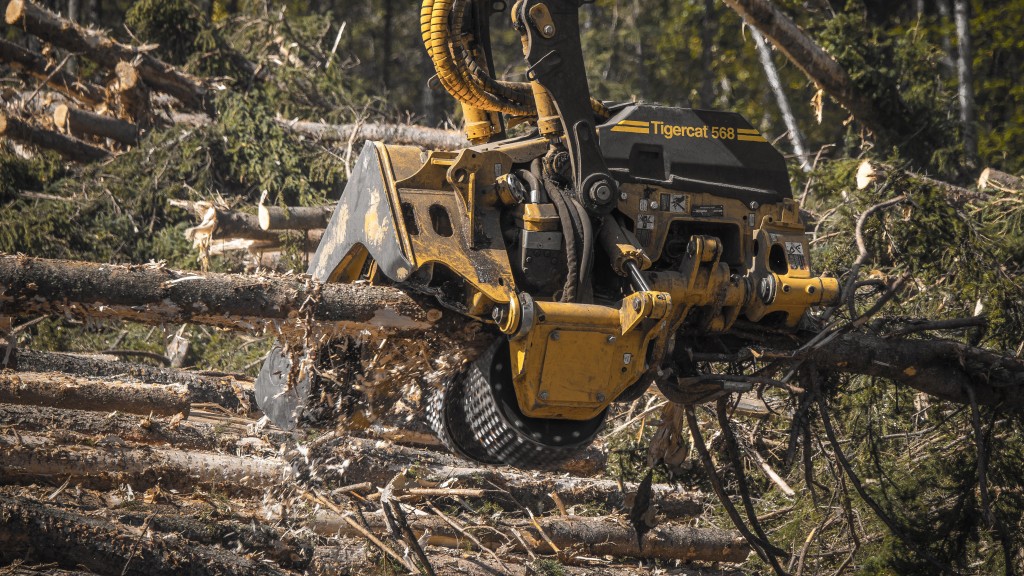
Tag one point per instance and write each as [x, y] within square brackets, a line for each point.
[388, 38]
[708, 31]
[965, 79]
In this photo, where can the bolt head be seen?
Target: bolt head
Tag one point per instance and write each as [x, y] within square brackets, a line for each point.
[754, 205]
[611, 339]
[543, 395]
[637, 304]
[623, 196]
[549, 30]
[601, 193]
[654, 205]
[601, 397]
[555, 335]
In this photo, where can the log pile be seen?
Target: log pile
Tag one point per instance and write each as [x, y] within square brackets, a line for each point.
[99, 121]
[116, 482]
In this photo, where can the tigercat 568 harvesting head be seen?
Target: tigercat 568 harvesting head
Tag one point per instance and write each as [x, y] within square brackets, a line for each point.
[601, 245]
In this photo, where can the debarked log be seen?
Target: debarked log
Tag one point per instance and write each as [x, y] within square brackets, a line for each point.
[587, 536]
[151, 294]
[63, 391]
[429, 138]
[37, 459]
[70, 148]
[46, 533]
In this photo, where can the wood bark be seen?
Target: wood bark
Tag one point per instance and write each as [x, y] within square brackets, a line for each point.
[39, 66]
[227, 391]
[509, 488]
[992, 178]
[78, 122]
[154, 295]
[764, 53]
[35, 459]
[294, 217]
[105, 51]
[59, 390]
[70, 148]
[587, 536]
[810, 58]
[431, 138]
[153, 430]
[46, 533]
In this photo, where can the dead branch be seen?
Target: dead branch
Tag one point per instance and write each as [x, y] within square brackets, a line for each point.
[38, 66]
[68, 147]
[430, 138]
[589, 536]
[58, 390]
[78, 122]
[105, 51]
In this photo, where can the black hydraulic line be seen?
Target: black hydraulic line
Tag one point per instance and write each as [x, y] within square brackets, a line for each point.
[587, 261]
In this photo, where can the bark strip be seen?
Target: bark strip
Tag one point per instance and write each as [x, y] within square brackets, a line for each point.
[62, 391]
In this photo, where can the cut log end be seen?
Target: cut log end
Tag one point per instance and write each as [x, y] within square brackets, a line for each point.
[3, 123]
[127, 76]
[264, 217]
[15, 11]
[60, 117]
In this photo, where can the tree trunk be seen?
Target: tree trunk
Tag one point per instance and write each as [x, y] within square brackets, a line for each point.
[764, 52]
[153, 430]
[430, 138]
[294, 217]
[378, 464]
[586, 536]
[157, 74]
[79, 122]
[992, 178]
[37, 66]
[70, 148]
[34, 389]
[47, 533]
[708, 31]
[810, 58]
[965, 80]
[226, 391]
[250, 303]
[34, 459]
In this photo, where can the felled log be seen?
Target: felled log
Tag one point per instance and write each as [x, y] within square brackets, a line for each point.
[105, 51]
[869, 173]
[36, 459]
[78, 122]
[992, 178]
[154, 295]
[129, 427]
[350, 556]
[132, 98]
[45, 533]
[430, 138]
[377, 463]
[227, 391]
[62, 391]
[39, 66]
[294, 217]
[587, 536]
[70, 148]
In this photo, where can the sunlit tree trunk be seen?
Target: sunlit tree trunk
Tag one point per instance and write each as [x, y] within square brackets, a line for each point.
[965, 78]
[764, 52]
